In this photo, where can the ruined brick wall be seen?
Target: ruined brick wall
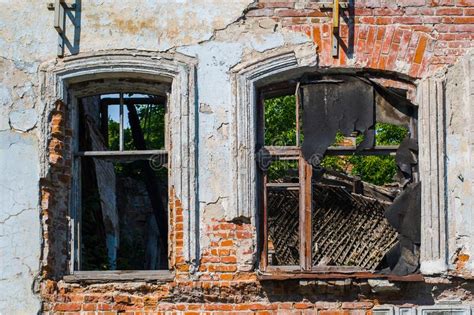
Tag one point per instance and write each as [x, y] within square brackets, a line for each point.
[412, 38]
[415, 37]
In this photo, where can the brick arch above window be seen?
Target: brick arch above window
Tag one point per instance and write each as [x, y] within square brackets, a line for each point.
[379, 47]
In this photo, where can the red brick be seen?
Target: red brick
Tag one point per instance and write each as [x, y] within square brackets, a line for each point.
[411, 3]
[300, 13]
[420, 50]
[449, 11]
[317, 37]
[226, 276]
[227, 243]
[326, 30]
[229, 260]
[384, 20]
[382, 62]
[67, 307]
[419, 11]
[277, 4]
[219, 307]
[414, 70]
[362, 31]
[468, 11]
[397, 36]
[392, 56]
[467, 3]
[363, 11]
[374, 59]
[303, 305]
[387, 40]
[89, 307]
[463, 20]
[370, 39]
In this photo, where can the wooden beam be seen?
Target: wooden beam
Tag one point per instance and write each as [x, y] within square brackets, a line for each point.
[156, 100]
[119, 275]
[138, 154]
[335, 29]
[324, 275]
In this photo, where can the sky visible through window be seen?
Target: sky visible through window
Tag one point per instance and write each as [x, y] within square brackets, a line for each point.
[114, 110]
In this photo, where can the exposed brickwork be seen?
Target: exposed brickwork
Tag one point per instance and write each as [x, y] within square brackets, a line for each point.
[55, 195]
[412, 37]
[409, 37]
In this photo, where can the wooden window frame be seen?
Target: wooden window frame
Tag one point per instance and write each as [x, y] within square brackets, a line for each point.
[77, 274]
[305, 269]
[148, 73]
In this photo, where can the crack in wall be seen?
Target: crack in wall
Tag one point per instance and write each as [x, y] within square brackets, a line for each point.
[15, 215]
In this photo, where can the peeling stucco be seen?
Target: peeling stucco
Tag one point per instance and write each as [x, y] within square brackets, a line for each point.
[221, 42]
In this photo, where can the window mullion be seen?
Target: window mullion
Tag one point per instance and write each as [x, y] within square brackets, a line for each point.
[305, 201]
[297, 108]
[121, 131]
[264, 258]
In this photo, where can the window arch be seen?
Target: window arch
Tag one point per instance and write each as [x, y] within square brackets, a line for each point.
[248, 78]
[163, 75]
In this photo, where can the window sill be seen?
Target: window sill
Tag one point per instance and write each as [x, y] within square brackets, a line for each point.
[120, 276]
[334, 275]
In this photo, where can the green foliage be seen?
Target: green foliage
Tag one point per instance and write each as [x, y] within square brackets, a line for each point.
[280, 121]
[280, 129]
[152, 121]
[284, 170]
[379, 170]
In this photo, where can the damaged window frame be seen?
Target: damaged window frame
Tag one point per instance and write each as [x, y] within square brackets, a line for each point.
[266, 154]
[160, 90]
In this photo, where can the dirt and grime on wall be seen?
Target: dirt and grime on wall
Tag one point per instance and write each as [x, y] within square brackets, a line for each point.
[410, 38]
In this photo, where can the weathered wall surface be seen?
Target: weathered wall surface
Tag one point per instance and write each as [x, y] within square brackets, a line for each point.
[411, 37]
[459, 119]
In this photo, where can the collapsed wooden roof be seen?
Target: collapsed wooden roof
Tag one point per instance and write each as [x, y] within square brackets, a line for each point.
[348, 229]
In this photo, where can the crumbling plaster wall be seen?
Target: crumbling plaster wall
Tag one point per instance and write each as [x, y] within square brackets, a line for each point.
[149, 25]
[199, 28]
[460, 163]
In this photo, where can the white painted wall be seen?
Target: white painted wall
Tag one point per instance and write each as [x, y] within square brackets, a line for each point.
[189, 26]
[27, 39]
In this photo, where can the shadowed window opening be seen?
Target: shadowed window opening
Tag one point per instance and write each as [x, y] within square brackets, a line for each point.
[123, 219]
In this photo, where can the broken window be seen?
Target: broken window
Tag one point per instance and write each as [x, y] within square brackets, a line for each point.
[341, 191]
[122, 216]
